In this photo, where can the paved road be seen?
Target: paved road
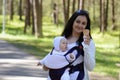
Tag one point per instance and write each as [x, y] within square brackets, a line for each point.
[18, 65]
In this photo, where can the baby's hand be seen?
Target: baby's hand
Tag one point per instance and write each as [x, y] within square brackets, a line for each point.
[45, 68]
[38, 64]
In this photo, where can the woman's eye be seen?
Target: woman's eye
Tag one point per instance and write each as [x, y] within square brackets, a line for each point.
[77, 21]
[84, 23]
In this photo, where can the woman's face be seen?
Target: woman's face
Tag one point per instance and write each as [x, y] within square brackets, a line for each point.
[79, 24]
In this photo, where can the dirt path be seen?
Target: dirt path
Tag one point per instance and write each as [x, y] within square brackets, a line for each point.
[18, 65]
[95, 76]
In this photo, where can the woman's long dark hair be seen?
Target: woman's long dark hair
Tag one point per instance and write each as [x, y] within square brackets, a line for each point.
[67, 32]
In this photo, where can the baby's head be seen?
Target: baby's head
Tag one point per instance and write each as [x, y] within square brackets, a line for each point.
[60, 43]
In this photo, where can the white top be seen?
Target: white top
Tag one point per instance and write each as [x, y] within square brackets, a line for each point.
[89, 59]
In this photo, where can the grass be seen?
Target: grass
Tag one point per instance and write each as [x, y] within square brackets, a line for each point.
[107, 54]
[107, 51]
[38, 47]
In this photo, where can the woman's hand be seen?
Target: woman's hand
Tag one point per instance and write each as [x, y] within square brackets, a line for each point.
[86, 40]
[86, 36]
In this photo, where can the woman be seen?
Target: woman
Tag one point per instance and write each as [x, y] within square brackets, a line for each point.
[73, 31]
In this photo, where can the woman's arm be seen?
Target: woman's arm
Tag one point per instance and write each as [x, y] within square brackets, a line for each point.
[89, 55]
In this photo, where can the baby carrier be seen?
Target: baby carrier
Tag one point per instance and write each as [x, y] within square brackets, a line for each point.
[55, 74]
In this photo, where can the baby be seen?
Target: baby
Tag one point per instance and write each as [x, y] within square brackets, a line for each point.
[57, 60]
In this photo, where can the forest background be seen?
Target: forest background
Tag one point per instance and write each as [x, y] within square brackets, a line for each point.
[31, 26]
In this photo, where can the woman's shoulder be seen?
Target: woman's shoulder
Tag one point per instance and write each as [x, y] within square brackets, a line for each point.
[92, 42]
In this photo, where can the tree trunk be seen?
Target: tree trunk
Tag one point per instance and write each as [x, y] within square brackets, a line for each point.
[11, 10]
[102, 23]
[66, 10]
[103, 12]
[73, 6]
[55, 14]
[40, 3]
[78, 4]
[37, 6]
[106, 15]
[20, 10]
[94, 15]
[81, 4]
[100, 15]
[113, 15]
[119, 38]
[33, 24]
[27, 15]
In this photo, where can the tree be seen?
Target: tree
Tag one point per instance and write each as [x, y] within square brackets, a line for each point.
[102, 12]
[73, 5]
[27, 15]
[113, 15]
[81, 4]
[106, 15]
[66, 9]
[37, 7]
[93, 11]
[119, 38]
[11, 9]
[55, 14]
[4, 13]
[20, 10]
[33, 26]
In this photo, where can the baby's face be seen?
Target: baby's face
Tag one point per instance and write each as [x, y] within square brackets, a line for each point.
[63, 45]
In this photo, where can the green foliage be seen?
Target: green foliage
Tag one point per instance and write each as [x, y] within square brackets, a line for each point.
[107, 53]
[38, 47]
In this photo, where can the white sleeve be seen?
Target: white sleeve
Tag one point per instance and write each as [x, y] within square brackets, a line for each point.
[89, 55]
[42, 60]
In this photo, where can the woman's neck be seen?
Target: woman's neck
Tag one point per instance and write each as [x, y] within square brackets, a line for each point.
[73, 38]
[75, 35]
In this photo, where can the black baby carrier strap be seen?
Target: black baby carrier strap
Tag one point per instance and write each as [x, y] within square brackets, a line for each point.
[56, 74]
[79, 67]
[71, 50]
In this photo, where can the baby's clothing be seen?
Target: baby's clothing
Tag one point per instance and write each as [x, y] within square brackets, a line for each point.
[59, 68]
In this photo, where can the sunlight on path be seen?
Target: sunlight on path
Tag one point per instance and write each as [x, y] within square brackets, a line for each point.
[18, 65]
[96, 76]
[20, 78]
